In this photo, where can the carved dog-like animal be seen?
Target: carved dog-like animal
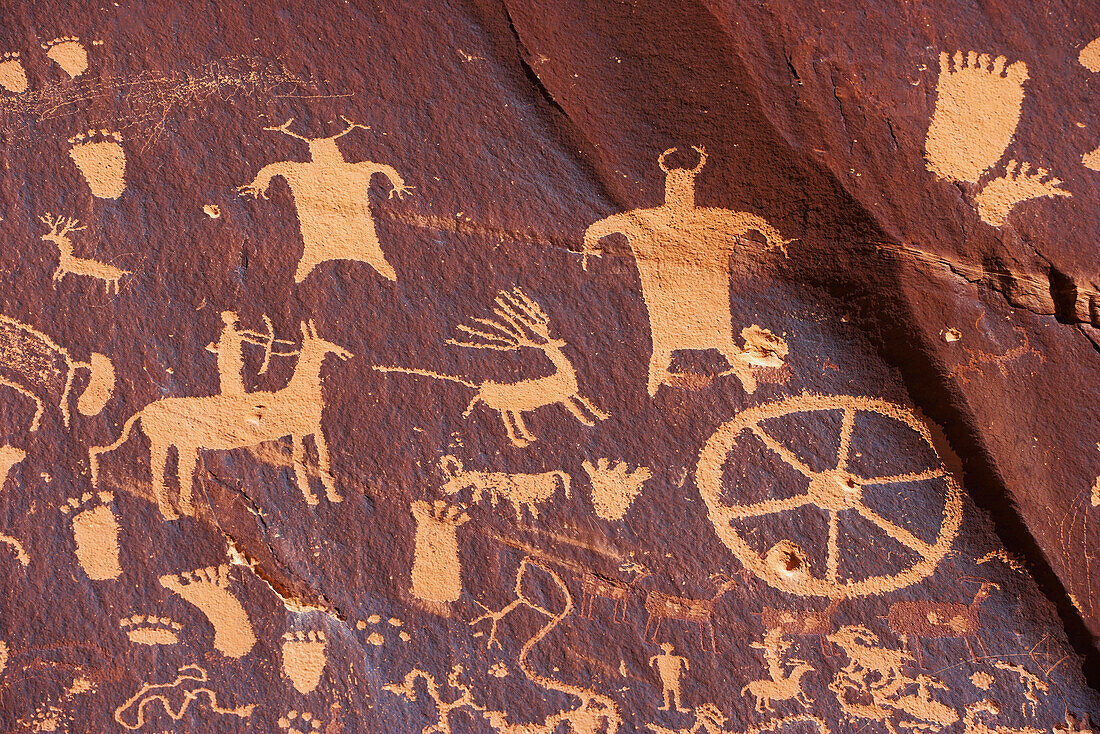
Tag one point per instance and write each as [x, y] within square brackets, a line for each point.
[522, 491]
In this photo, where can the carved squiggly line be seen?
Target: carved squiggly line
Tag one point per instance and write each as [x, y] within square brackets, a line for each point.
[143, 697]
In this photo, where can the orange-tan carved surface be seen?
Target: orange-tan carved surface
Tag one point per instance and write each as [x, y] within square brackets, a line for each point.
[582, 367]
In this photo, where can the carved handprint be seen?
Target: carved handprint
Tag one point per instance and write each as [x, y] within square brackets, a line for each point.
[977, 108]
[1018, 184]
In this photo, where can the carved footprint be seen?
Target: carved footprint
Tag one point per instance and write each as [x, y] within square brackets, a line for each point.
[95, 530]
[68, 53]
[1018, 184]
[208, 589]
[300, 723]
[1090, 56]
[101, 160]
[12, 75]
[145, 630]
[978, 104]
[304, 658]
[1092, 159]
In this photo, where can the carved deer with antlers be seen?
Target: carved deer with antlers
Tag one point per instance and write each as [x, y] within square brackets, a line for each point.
[520, 322]
[60, 227]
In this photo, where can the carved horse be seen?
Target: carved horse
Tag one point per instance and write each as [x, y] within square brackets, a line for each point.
[227, 422]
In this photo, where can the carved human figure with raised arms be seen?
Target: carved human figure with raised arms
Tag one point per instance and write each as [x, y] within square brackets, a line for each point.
[330, 195]
[683, 254]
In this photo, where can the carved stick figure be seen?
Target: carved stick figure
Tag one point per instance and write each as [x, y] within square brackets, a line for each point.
[683, 255]
[330, 195]
[669, 668]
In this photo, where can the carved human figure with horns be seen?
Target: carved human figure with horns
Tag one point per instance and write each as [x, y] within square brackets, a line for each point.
[683, 255]
[330, 195]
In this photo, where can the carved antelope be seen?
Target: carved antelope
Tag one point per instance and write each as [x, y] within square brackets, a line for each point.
[520, 322]
[913, 620]
[60, 227]
[661, 607]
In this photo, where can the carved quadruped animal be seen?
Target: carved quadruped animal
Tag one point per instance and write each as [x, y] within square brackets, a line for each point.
[801, 622]
[662, 607]
[330, 195]
[520, 322]
[525, 492]
[917, 620]
[37, 367]
[596, 585]
[781, 685]
[60, 228]
[683, 256]
[225, 422]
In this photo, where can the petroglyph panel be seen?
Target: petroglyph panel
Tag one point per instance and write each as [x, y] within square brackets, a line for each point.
[582, 367]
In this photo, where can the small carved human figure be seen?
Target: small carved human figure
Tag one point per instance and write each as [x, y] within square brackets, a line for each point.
[230, 356]
[330, 195]
[683, 255]
[669, 667]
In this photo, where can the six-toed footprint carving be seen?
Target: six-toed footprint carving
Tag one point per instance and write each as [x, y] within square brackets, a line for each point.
[978, 103]
[208, 589]
[69, 53]
[304, 658]
[1018, 184]
[95, 530]
[147, 630]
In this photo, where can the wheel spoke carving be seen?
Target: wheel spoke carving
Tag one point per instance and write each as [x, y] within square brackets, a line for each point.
[918, 476]
[895, 531]
[847, 427]
[784, 453]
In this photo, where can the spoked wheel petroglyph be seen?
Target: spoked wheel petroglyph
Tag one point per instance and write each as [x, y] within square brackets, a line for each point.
[836, 491]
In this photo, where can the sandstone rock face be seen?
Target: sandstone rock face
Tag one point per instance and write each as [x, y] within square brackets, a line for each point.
[540, 368]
